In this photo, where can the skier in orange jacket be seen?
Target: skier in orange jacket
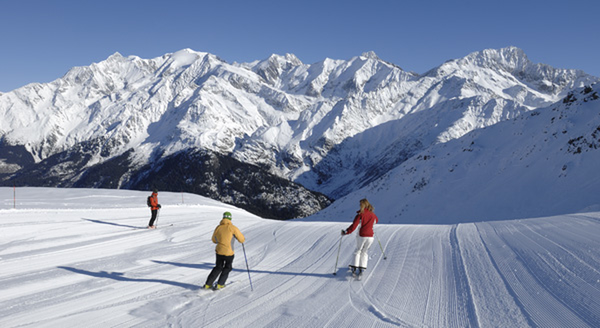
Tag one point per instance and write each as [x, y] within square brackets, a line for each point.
[154, 207]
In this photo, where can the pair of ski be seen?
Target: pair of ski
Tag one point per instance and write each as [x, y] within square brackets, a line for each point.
[356, 272]
[156, 227]
[206, 292]
[214, 289]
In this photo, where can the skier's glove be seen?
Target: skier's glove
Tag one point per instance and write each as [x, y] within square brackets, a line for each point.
[159, 206]
[343, 232]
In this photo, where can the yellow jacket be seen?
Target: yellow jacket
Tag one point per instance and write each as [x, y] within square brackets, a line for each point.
[223, 237]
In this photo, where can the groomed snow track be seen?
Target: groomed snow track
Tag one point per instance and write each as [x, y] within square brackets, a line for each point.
[98, 268]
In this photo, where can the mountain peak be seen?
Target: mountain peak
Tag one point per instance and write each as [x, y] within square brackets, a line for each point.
[286, 60]
[116, 55]
[370, 55]
[270, 68]
[509, 58]
[185, 57]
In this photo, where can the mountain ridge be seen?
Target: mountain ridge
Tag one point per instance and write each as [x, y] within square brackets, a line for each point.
[304, 123]
[537, 164]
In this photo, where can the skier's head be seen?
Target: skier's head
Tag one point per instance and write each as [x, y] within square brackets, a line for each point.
[364, 203]
[227, 215]
[155, 191]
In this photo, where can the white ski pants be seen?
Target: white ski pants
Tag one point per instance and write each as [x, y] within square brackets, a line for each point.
[361, 256]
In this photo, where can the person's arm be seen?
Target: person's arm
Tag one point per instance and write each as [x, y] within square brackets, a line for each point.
[239, 236]
[214, 236]
[353, 226]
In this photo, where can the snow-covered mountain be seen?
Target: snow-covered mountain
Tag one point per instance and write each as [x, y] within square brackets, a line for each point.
[332, 126]
[446, 103]
[541, 163]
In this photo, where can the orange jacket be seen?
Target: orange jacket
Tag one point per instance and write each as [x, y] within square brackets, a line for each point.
[154, 201]
[223, 237]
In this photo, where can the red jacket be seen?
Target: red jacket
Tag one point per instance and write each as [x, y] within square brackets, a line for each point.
[366, 219]
[154, 201]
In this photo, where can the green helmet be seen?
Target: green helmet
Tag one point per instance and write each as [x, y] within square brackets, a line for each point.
[227, 215]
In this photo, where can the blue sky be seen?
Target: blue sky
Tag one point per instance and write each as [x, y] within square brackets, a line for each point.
[41, 40]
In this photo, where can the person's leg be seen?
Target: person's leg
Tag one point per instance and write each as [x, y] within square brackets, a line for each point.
[364, 252]
[358, 251]
[228, 266]
[152, 217]
[216, 271]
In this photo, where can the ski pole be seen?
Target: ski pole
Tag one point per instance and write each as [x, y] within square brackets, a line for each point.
[247, 267]
[338, 255]
[156, 221]
[384, 257]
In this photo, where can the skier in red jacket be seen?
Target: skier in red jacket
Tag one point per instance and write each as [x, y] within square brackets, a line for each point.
[366, 218]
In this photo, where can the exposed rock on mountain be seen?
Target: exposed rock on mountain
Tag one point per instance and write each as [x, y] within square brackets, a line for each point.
[333, 126]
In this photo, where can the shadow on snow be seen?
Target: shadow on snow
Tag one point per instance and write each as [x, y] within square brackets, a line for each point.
[113, 224]
[209, 266]
[119, 276]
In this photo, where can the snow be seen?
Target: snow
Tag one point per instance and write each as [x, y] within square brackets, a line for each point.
[82, 257]
[189, 99]
[184, 57]
[542, 163]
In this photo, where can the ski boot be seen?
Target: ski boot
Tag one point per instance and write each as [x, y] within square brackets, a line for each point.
[352, 269]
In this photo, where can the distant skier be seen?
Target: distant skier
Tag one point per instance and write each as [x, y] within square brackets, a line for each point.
[366, 218]
[154, 207]
[223, 237]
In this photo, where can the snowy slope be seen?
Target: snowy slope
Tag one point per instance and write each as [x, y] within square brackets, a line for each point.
[80, 258]
[541, 163]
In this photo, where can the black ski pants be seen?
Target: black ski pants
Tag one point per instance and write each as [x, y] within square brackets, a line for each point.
[152, 217]
[223, 266]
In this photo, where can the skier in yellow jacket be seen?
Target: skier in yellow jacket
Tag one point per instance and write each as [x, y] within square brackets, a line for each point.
[223, 237]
